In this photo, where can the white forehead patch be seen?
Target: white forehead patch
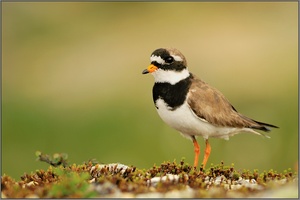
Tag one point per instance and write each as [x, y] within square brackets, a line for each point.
[177, 58]
[161, 61]
[157, 59]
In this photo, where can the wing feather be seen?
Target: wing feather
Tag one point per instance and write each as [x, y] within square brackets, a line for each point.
[211, 105]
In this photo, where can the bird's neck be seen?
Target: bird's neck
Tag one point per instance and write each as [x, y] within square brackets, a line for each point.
[172, 95]
[170, 76]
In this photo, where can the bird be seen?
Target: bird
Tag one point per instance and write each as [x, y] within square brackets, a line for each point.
[193, 107]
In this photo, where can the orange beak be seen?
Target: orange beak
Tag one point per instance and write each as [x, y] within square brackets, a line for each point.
[150, 69]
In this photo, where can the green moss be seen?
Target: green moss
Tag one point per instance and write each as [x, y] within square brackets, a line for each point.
[92, 179]
[72, 184]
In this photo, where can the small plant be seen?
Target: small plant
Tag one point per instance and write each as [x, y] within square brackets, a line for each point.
[56, 160]
[71, 185]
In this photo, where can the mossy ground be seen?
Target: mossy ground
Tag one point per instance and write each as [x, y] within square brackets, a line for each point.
[92, 179]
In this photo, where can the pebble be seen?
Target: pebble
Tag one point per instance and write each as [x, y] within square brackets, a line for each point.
[290, 190]
[113, 167]
[172, 177]
[220, 179]
[106, 188]
[186, 193]
[150, 195]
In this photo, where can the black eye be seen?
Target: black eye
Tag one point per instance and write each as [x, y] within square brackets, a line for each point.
[169, 59]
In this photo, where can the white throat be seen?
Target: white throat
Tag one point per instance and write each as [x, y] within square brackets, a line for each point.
[170, 76]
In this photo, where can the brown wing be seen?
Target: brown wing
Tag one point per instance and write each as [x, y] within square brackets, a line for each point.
[210, 104]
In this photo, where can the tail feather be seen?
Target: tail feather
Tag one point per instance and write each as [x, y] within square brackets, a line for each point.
[263, 126]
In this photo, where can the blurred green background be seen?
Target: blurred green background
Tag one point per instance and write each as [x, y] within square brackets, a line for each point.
[72, 80]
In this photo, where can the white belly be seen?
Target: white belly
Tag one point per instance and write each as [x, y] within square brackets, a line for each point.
[185, 121]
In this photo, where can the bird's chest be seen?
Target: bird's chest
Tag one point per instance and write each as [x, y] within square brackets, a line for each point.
[174, 95]
[177, 118]
[170, 102]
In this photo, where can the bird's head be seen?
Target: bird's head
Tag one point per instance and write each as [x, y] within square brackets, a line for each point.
[167, 65]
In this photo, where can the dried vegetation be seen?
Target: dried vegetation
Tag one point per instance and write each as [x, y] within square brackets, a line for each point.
[170, 179]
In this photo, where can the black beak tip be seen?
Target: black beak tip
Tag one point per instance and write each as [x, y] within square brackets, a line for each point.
[145, 71]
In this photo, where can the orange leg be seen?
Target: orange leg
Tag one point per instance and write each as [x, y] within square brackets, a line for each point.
[207, 153]
[197, 151]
